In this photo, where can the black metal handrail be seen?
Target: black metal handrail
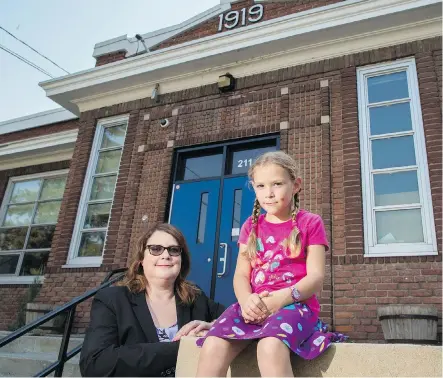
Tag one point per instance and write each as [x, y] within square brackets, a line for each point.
[63, 355]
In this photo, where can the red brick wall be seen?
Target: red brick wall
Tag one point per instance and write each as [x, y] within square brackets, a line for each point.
[110, 58]
[11, 295]
[329, 157]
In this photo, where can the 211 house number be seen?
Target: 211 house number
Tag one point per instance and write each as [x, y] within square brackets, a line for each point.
[232, 19]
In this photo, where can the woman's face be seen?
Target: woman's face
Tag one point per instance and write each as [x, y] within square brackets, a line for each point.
[164, 266]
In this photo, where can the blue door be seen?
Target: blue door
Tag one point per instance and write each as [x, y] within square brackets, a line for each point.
[210, 201]
[194, 211]
[237, 203]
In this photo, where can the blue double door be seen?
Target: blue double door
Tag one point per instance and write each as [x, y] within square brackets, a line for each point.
[210, 214]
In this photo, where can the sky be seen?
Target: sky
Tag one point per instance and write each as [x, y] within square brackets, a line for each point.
[66, 31]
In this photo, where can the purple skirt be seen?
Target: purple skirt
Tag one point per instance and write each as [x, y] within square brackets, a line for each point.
[295, 325]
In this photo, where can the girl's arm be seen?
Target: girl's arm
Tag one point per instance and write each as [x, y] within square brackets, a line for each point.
[307, 286]
[251, 304]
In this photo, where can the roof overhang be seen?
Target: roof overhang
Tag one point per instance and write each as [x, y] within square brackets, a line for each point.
[321, 33]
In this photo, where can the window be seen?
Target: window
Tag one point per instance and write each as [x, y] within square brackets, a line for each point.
[398, 218]
[91, 226]
[28, 217]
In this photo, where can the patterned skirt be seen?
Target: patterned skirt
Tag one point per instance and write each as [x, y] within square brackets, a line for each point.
[295, 325]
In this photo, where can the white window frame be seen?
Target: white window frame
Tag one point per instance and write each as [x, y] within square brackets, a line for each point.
[13, 279]
[73, 260]
[372, 249]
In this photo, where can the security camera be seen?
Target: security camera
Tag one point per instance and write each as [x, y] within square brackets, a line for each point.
[164, 122]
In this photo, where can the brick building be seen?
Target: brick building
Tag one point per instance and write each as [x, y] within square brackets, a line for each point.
[350, 88]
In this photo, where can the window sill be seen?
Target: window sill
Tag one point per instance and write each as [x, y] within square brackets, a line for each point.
[20, 280]
[84, 262]
[411, 252]
[76, 266]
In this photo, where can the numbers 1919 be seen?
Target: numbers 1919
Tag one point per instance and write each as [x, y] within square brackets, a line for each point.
[232, 19]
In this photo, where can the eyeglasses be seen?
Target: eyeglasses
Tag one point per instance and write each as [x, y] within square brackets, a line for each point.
[157, 250]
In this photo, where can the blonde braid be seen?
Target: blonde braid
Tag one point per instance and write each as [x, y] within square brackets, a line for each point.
[293, 241]
[251, 249]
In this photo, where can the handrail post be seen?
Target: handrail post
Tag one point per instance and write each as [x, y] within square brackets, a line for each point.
[65, 342]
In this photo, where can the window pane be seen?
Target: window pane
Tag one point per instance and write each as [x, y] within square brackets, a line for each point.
[108, 161]
[396, 188]
[40, 237]
[399, 226]
[236, 215]
[26, 191]
[202, 219]
[12, 238]
[91, 244]
[240, 161]
[390, 118]
[47, 212]
[194, 168]
[34, 263]
[393, 152]
[97, 215]
[8, 263]
[18, 215]
[113, 136]
[53, 188]
[103, 187]
[388, 87]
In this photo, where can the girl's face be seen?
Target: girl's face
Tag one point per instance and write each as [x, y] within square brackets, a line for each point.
[164, 266]
[274, 189]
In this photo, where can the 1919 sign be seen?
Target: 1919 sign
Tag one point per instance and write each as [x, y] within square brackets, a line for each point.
[232, 19]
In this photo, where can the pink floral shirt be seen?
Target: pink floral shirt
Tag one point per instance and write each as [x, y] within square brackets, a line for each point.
[274, 269]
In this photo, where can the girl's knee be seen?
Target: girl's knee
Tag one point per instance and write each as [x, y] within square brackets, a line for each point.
[271, 347]
[215, 345]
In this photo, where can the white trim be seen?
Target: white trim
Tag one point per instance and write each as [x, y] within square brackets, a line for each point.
[429, 246]
[320, 33]
[39, 150]
[35, 120]
[44, 141]
[20, 280]
[84, 262]
[73, 260]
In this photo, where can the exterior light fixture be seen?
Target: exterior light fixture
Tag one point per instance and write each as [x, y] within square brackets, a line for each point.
[226, 82]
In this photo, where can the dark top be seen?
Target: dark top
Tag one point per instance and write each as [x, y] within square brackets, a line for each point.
[122, 340]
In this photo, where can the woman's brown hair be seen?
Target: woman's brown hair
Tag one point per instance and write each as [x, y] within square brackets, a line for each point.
[136, 281]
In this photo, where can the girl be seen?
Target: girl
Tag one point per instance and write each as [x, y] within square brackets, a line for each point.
[280, 267]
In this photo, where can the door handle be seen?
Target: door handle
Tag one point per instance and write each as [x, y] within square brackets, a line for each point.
[223, 259]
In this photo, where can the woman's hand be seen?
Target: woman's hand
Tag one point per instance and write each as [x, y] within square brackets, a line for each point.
[254, 309]
[193, 328]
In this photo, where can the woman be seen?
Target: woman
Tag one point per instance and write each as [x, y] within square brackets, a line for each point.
[134, 326]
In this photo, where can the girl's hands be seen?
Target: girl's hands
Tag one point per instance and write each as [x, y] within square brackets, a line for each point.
[254, 309]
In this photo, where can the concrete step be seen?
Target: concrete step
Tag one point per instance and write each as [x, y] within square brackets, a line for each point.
[38, 344]
[29, 355]
[340, 360]
[29, 364]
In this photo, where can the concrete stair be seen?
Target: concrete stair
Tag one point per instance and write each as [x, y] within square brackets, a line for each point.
[340, 360]
[28, 355]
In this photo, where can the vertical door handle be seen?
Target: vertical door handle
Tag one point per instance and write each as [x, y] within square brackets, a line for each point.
[223, 259]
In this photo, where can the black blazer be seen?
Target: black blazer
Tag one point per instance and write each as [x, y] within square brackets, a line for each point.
[122, 340]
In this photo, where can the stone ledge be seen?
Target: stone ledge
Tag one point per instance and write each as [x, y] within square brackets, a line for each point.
[340, 360]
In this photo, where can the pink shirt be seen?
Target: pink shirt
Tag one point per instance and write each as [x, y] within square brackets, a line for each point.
[273, 268]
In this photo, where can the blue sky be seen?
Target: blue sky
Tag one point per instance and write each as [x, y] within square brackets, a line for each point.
[66, 32]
